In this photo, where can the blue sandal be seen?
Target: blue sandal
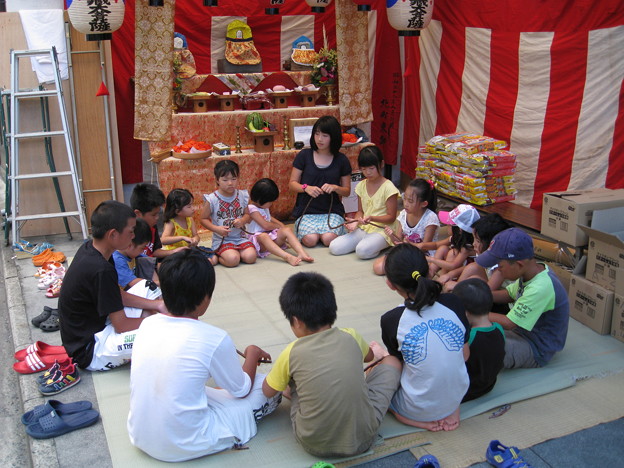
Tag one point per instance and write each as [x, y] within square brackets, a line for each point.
[32, 416]
[55, 424]
[427, 461]
[501, 456]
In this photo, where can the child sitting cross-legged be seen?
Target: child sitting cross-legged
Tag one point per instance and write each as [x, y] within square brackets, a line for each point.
[173, 415]
[428, 334]
[225, 213]
[377, 210]
[453, 253]
[179, 229]
[270, 236]
[417, 222]
[536, 326]
[487, 339]
[483, 230]
[335, 409]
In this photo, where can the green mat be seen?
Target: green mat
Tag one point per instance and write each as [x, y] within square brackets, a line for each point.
[246, 305]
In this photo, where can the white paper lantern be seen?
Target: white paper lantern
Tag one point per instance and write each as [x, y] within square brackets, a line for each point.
[318, 6]
[363, 5]
[273, 6]
[409, 16]
[96, 18]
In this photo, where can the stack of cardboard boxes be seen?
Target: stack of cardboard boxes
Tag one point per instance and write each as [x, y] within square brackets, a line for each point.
[593, 220]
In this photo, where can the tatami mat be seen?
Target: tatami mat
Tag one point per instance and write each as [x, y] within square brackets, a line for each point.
[246, 305]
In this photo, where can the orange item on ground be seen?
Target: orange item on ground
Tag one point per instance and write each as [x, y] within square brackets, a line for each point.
[48, 256]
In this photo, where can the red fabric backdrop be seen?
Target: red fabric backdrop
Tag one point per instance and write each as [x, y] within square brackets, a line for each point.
[194, 21]
[544, 76]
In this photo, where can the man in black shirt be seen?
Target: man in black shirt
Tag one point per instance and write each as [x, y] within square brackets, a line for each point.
[95, 330]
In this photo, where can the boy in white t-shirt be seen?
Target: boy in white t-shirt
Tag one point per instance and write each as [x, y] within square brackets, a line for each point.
[173, 415]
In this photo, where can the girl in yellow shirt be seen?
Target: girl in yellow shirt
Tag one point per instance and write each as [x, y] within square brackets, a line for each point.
[377, 209]
[179, 229]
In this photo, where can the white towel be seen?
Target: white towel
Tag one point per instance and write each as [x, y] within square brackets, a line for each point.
[44, 29]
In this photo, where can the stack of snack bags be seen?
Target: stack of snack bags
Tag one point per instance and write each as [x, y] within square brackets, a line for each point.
[472, 167]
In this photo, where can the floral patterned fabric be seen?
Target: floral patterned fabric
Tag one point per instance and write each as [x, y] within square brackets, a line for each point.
[153, 71]
[197, 176]
[353, 78]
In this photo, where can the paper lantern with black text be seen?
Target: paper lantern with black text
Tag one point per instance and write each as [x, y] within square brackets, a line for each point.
[272, 6]
[318, 6]
[409, 16]
[98, 19]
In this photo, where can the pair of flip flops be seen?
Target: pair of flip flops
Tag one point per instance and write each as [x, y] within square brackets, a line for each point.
[55, 418]
[34, 249]
[48, 320]
[38, 357]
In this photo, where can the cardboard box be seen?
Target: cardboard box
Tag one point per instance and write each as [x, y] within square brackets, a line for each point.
[591, 304]
[564, 273]
[605, 254]
[617, 320]
[619, 281]
[563, 211]
[553, 252]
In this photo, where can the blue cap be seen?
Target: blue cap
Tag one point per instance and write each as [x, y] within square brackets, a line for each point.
[510, 244]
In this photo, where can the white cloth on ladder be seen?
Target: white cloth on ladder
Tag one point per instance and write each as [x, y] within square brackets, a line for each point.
[44, 29]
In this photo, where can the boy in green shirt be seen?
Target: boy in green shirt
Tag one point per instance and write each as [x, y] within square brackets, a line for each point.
[536, 327]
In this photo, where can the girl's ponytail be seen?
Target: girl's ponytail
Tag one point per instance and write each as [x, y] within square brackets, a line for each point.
[407, 268]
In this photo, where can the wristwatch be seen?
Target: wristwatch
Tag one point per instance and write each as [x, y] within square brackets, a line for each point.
[303, 187]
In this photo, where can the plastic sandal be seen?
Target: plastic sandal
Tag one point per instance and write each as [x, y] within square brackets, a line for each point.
[42, 317]
[52, 275]
[44, 257]
[23, 245]
[58, 257]
[47, 280]
[32, 416]
[35, 363]
[427, 461]
[53, 424]
[41, 348]
[54, 289]
[46, 268]
[53, 323]
[501, 456]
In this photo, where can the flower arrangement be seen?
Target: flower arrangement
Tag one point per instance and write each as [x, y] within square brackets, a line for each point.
[325, 68]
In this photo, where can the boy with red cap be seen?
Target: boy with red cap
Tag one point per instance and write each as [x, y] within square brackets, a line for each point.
[536, 327]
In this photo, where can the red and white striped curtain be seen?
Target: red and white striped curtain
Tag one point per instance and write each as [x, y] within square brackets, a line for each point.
[548, 77]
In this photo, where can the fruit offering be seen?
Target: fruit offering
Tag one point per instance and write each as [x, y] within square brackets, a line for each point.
[191, 145]
[349, 138]
[256, 123]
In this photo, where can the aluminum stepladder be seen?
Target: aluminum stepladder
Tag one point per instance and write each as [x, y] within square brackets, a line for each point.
[4, 139]
[45, 136]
